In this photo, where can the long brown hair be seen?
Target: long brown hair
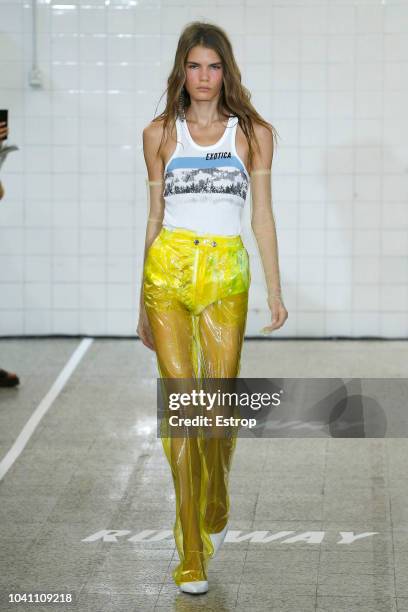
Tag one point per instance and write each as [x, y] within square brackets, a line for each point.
[234, 98]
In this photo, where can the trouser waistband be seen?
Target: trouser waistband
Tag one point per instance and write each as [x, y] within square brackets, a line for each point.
[211, 240]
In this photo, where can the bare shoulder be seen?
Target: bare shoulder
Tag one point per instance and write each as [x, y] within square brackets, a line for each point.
[152, 133]
[263, 134]
[159, 141]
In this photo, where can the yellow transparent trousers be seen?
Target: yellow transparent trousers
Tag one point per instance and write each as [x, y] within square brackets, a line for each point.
[195, 290]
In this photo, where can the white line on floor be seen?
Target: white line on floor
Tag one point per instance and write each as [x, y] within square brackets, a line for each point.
[43, 406]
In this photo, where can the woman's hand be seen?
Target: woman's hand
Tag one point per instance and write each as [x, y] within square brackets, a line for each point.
[3, 133]
[144, 330]
[3, 130]
[279, 314]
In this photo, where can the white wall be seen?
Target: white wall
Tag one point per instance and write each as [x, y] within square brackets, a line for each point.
[332, 76]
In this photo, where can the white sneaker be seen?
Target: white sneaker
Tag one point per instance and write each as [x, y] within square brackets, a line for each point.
[195, 587]
[217, 539]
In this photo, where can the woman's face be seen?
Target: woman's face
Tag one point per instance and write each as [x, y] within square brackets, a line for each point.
[204, 73]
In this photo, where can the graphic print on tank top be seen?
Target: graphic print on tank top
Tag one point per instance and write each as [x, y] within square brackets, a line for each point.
[205, 186]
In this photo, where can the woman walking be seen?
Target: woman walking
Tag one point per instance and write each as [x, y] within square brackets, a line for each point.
[203, 153]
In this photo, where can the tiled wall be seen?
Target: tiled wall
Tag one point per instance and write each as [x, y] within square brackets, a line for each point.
[332, 76]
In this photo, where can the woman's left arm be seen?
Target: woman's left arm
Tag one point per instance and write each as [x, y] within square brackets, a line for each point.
[263, 224]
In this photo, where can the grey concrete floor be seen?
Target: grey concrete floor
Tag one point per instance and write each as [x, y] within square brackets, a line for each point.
[94, 463]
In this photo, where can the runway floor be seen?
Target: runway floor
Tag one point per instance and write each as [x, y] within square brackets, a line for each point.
[87, 502]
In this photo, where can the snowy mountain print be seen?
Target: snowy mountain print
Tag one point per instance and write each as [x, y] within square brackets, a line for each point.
[225, 179]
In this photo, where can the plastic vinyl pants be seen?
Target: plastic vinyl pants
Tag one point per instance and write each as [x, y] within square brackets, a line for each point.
[196, 297]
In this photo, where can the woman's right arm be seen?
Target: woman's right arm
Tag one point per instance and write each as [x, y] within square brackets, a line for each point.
[154, 187]
[155, 210]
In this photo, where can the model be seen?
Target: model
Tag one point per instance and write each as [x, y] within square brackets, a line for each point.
[203, 153]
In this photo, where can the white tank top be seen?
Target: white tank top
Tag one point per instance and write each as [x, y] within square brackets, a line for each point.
[205, 186]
